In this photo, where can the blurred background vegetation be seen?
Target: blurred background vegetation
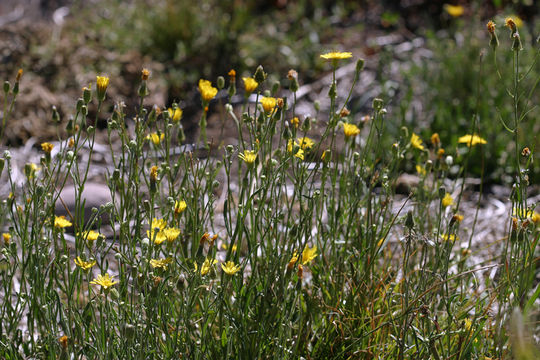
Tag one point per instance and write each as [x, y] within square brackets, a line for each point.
[439, 90]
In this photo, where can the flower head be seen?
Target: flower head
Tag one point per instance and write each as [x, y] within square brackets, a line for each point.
[454, 10]
[161, 263]
[490, 27]
[6, 237]
[350, 130]
[416, 142]
[447, 200]
[175, 114]
[47, 147]
[206, 266]
[90, 235]
[171, 233]
[420, 170]
[268, 104]
[334, 55]
[449, 237]
[230, 268]
[305, 143]
[85, 265]
[102, 83]
[295, 121]
[309, 254]
[155, 138]
[179, 207]
[208, 92]
[105, 281]
[249, 156]
[61, 222]
[293, 260]
[250, 84]
[145, 74]
[158, 223]
[471, 140]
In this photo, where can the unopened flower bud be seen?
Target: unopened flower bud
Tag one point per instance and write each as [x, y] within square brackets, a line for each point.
[260, 75]
[220, 82]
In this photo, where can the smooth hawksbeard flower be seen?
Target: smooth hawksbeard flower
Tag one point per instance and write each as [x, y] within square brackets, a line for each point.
[102, 83]
[416, 142]
[85, 265]
[175, 114]
[179, 207]
[249, 156]
[294, 148]
[206, 266]
[161, 263]
[309, 254]
[250, 84]
[420, 170]
[336, 55]
[305, 143]
[490, 27]
[268, 104]
[350, 130]
[61, 222]
[447, 200]
[208, 92]
[7, 238]
[105, 281]
[47, 147]
[171, 234]
[449, 237]
[90, 235]
[471, 140]
[230, 268]
[454, 10]
[155, 138]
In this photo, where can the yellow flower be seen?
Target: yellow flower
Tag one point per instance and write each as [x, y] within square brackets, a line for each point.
[435, 139]
[90, 235]
[158, 223]
[105, 281]
[85, 265]
[6, 237]
[179, 207]
[161, 263]
[309, 254]
[471, 140]
[449, 237]
[102, 84]
[158, 236]
[293, 260]
[175, 114]
[336, 55]
[268, 104]
[230, 268]
[249, 156]
[208, 92]
[490, 27]
[156, 139]
[454, 10]
[225, 247]
[206, 266]
[250, 84]
[47, 147]
[416, 142]
[350, 130]
[300, 154]
[468, 324]
[535, 218]
[60, 222]
[421, 170]
[294, 146]
[458, 217]
[171, 234]
[295, 121]
[305, 143]
[447, 200]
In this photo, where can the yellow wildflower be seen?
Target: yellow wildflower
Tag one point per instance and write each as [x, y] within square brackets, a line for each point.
[305, 143]
[158, 223]
[447, 200]
[206, 266]
[156, 139]
[250, 84]
[63, 342]
[208, 92]
[334, 55]
[309, 254]
[535, 218]
[249, 156]
[490, 27]
[105, 281]
[145, 74]
[350, 130]
[454, 10]
[47, 147]
[7, 238]
[421, 170]
[90, 235]
[179, 207]
[471, 140]
[85, 265]
[458, 217]
[161, 263]
[293, 260]
[295, 121]
[468, 324]
[268, 104]
[102, 84]
[449, 237]
[230, 268]
[416, 142]
[435, 139]
[60, 222]
[171, 234]
[175, 114]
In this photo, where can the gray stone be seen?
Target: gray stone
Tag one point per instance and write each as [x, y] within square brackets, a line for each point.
[94, 195]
